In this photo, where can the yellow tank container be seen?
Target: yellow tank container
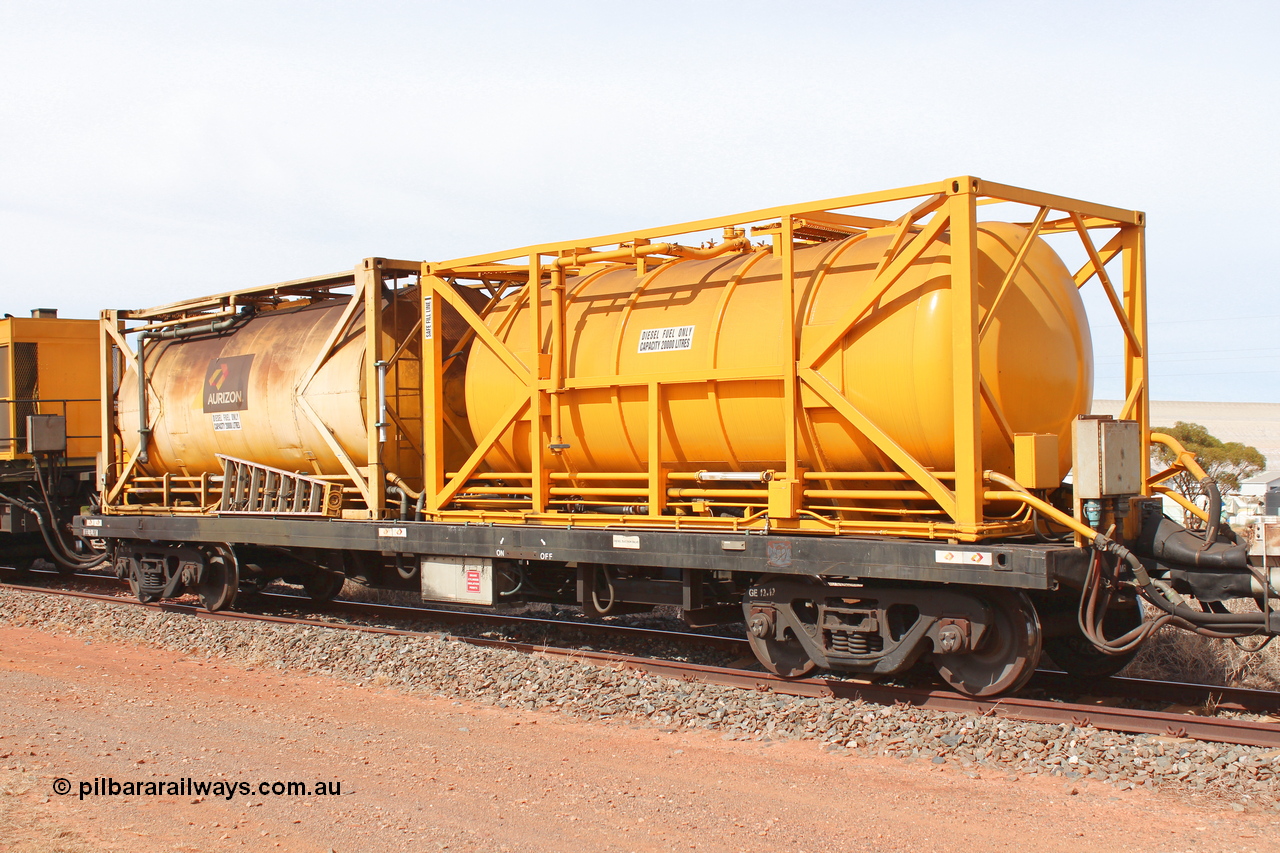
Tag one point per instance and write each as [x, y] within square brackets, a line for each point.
[895, 365]
[240, 392]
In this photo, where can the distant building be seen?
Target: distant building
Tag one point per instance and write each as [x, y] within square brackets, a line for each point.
[1254, 424]
[1253, 497]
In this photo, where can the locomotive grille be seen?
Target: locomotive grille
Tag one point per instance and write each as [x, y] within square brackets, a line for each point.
[20, 399]
[26, 378]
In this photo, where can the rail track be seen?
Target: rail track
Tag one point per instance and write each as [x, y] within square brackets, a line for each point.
[1131, 720]
[436, 615]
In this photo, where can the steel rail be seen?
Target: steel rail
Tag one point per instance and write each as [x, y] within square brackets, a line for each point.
[1221, 730]
[1240, 699]
[464, 617]
[366, 609]
[1052, 682]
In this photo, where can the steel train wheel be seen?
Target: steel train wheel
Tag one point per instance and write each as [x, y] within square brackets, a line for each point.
[135, 583]
[786, 657]
[253, 585]
[219, 580]
[1008, 653]
[1081, 658]
[322, 585]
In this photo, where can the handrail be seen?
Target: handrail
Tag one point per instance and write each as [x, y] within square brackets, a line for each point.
[1183, 457]
[1187, 460]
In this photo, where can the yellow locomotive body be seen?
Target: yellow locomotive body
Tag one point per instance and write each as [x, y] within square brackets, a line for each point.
[49, 366]
[50, 427]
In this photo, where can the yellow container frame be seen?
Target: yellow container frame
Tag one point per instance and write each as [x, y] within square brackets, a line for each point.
[958, 498]
[917, 502]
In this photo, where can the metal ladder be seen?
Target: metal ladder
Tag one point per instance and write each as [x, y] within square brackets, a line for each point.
[252, 489]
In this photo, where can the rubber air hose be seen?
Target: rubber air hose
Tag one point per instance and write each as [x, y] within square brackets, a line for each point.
[61, 552]
[1211, 489]
[1181, 611]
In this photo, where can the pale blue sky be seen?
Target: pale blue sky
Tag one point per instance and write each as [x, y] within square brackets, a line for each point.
[152, 151]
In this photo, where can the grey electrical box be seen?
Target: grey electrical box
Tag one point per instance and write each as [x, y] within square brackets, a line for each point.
[463, 580]
[1108, 457]
[46, 434]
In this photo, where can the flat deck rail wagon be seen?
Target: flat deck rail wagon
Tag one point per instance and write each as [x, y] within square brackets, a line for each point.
[847, 424]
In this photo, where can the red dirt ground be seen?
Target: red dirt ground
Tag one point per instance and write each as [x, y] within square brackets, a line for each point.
[421, 773]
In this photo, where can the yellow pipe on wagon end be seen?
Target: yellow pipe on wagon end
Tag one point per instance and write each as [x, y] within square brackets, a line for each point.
[1181, 500]
[1184, 457]
[1187, 460]
[1018, 493]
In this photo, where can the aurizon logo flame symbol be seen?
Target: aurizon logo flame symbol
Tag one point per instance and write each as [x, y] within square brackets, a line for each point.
[226, 384]
[219, 376]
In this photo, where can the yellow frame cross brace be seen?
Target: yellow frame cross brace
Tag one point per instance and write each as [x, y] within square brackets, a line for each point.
[904, 496]
[959, 497]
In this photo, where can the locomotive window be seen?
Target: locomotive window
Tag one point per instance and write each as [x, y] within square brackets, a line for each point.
[4, 370]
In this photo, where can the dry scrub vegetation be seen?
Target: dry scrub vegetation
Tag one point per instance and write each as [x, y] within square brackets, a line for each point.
[24, 829]
[1177, 655]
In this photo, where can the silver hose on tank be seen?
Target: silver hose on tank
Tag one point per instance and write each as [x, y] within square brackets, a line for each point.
[173, 332]
[382, 402]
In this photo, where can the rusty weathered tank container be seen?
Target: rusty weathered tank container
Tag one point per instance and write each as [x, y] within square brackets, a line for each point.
[895, 365]
[238, 393]
[263, 387]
